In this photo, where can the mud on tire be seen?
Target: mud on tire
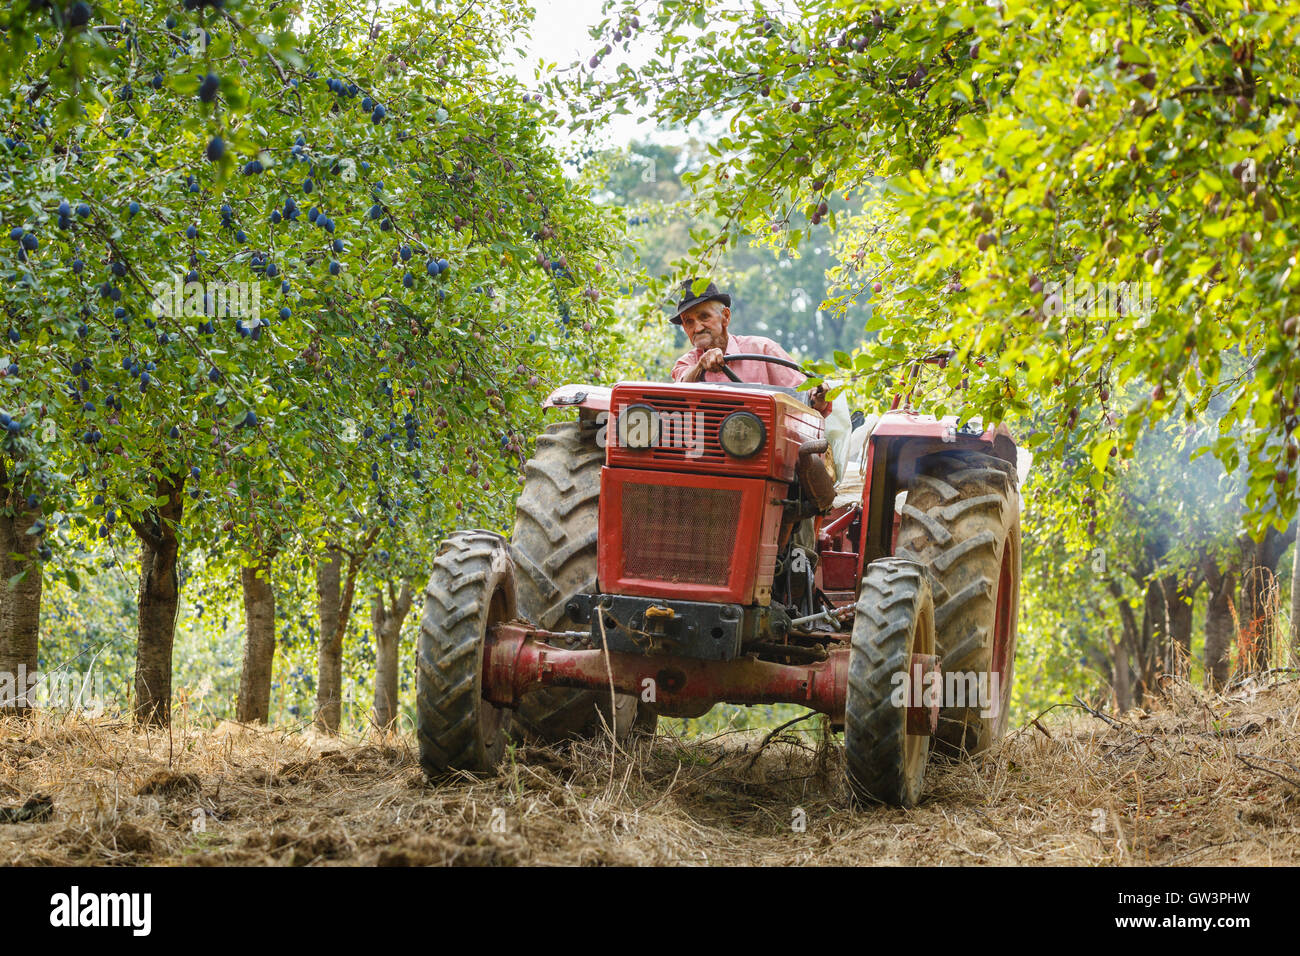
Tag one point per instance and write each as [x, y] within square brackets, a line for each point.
[554, 549]
[962, 522]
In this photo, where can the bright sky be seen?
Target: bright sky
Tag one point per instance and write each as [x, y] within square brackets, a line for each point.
[560, 30]
[559, 36]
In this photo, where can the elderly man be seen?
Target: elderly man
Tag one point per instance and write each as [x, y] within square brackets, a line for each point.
[705, 319]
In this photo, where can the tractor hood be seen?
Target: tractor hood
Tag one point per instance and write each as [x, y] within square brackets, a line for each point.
[595, 397]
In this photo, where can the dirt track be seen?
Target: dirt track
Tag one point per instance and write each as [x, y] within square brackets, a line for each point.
[1163, 788]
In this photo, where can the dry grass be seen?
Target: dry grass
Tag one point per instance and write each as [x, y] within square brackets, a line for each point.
[1169, 787]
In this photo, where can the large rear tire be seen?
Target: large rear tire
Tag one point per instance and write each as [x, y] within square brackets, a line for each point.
[472, 588]
[962, 521]
[557, 520]
[894, 619]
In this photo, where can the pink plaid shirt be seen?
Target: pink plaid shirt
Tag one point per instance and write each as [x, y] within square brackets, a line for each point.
[762, 373]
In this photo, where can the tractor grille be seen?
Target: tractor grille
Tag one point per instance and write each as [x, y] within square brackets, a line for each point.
[679, 534]
[689, 434]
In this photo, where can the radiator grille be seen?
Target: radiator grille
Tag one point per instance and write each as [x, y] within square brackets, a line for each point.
[679, 534]
[689, 434]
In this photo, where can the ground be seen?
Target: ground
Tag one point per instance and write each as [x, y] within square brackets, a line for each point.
[1202, 779]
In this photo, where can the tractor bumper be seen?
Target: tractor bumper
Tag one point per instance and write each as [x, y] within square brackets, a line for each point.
[655, 627]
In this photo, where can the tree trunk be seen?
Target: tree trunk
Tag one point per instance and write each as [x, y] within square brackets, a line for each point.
[20, 603]
[159, 597]
[1119, 674]
[329, 665]
[1156, 623]
[1127, 650]
[1148, 642]
[1220, 617]
[1295, 608]
[1219, 629]
[259, 642]
[1180, 593]
[1261, 598]
[387, 624]
[1258, 605]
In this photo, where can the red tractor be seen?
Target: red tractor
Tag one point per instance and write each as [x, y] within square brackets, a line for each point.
[680, 545]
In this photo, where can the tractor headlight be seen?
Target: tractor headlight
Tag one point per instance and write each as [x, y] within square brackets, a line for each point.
[638, 427]
[742, 434]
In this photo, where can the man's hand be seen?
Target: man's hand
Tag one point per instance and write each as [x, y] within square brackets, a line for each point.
[817, 399]
[710, 361]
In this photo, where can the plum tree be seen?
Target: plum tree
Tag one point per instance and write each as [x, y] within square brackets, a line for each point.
[267, 412]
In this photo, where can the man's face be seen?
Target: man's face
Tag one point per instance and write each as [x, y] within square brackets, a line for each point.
[706, 325]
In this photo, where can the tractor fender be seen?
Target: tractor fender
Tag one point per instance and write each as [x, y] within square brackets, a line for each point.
[591, 397]
[897, 427]
[902, 424]
[896, 442]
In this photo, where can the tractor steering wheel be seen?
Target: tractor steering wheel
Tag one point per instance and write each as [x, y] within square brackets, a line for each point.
[756, 357]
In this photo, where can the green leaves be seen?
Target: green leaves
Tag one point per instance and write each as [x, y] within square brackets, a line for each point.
[1023, 219]
[457, 166]
[1101, 453]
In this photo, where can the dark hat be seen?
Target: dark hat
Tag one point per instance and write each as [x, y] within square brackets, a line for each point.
[689, 299]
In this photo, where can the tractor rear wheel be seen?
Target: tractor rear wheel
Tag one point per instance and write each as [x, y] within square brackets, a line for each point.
[894, 619]
[962, 521]
[472, 588]
[557, 520]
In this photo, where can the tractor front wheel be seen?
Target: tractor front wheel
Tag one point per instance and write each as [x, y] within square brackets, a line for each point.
[471, 589]
[894, 620]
